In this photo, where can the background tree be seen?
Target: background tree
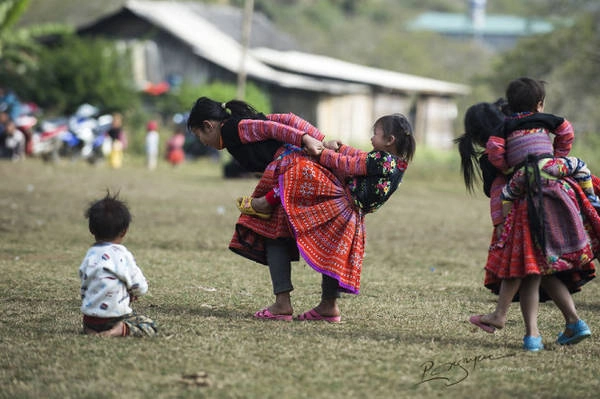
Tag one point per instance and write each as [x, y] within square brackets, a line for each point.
[569, 61]
[76, 71]
[19, 46]
[181, 99]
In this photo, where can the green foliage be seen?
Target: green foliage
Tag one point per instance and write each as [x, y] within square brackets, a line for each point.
[10, 12]
[224, 92]
[19, 46]
[83, 71]
[568, 60]
[586, 147]
[182, 99]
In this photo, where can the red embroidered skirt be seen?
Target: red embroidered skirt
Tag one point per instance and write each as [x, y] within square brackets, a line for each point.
[572, 233]
[328, 228]
[250, 232]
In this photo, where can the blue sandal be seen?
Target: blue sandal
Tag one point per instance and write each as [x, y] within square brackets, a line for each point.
[532, 344]
[579, 331]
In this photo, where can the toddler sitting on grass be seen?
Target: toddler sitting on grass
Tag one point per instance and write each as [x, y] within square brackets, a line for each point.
[110, 278]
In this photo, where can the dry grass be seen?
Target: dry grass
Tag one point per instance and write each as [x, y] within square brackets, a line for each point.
[422, 279]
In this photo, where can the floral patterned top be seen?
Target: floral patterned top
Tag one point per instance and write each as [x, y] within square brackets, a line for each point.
[372, 177]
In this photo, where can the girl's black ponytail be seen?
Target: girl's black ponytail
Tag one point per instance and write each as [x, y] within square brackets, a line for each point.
[481, 121]
[205, 109]
[468, 158]
[242, 110]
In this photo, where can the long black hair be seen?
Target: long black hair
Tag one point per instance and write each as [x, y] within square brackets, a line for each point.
[481, 120]
[205, 109]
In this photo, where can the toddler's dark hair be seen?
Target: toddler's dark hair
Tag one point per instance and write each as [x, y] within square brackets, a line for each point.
[108, 217]
[398, 126]
[524, 94]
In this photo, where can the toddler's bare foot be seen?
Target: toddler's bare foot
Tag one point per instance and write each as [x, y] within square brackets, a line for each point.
[119, 330]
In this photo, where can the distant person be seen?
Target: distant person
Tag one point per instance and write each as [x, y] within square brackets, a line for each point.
[14, 142]
[110, 278]
[9, 103]
[4, 118]
[115, 132]
[175, 154]
[152, 144]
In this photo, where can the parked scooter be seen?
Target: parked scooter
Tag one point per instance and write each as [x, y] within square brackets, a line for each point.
[86, 135]
[47, 138]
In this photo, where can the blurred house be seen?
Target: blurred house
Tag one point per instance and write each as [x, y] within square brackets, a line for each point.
[173, 42]
[497, 32]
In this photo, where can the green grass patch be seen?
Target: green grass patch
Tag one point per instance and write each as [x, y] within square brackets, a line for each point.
[406, 335]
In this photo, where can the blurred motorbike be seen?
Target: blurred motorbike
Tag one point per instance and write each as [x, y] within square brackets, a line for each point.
[86, 136]
[47, 139]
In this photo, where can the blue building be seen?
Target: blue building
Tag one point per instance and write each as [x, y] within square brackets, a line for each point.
[498, 32]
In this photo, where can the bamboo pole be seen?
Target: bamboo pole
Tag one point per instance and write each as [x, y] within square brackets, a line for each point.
[246, 31]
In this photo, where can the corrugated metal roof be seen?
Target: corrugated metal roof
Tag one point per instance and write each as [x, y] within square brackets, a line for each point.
[327, 67]
[210, 43]
[493, 25]
[229, 20]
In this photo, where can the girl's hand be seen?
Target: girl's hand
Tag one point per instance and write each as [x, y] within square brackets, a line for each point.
[312, 146]
[333, 145]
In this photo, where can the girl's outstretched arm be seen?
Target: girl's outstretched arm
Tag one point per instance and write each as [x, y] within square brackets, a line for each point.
[344, 165]
[296, 122]
[253, 130]
[349, 150]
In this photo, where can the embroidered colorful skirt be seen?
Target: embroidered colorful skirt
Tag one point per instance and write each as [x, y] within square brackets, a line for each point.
[328, 228]
[571, 238]
[317, 211]
[250, 232]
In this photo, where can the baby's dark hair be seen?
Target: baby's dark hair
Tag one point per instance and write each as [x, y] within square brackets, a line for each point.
[481, 120]
[524, 94]
[108, 217]
[205, 109]
[398, 126]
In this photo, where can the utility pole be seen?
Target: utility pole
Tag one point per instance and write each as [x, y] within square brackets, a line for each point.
[246, 30]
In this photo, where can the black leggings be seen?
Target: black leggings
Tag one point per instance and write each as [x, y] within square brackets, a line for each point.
[280, 265]
[280, 268]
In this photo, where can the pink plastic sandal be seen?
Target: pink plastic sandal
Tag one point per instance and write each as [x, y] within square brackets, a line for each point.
[313, 315]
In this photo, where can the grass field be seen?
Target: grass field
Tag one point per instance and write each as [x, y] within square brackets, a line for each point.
[406, 335]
